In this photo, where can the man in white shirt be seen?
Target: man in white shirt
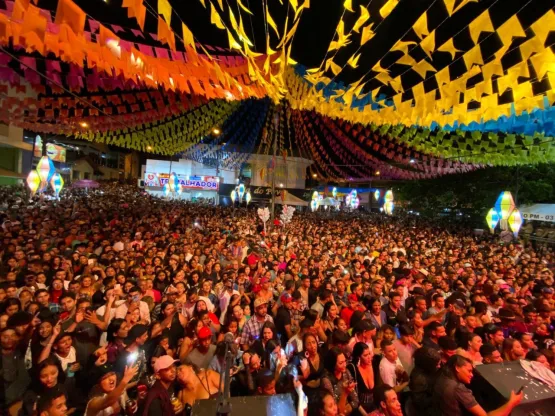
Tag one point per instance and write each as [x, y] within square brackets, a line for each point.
[134, 299]
[225, 297]
[391, 369]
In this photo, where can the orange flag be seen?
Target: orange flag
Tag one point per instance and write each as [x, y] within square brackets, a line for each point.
[165, 34]
[72, 15]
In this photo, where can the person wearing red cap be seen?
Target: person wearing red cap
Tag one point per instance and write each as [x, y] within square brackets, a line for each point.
[203, 353]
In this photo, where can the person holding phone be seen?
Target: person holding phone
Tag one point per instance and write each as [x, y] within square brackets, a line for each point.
[134, 301]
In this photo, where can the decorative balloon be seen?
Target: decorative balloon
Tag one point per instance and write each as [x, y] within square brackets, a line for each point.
[45, 169]
[57, 183]
[314, 205]
[233, 196]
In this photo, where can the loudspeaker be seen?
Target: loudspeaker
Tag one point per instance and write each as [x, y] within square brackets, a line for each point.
[280, 404]
[538, 398]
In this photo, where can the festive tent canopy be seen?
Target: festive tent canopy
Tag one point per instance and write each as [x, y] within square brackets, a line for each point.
[404, 89]
[538, 212]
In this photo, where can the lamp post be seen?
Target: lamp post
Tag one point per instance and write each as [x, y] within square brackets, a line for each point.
[276, 132]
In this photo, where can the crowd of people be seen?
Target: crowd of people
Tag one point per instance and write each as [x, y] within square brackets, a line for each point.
[114, 302]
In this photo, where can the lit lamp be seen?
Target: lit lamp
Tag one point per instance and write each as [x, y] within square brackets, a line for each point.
[314, 205]
[388, 207]
[241, 191]
[515, 221]
[166, 189]
[173, 182]
[57, 183]
[504, 206]
[377, 194]
[45, 169]
[33, 182]
[248, 197]
[492, 219]
[334, 192]
[233, 196]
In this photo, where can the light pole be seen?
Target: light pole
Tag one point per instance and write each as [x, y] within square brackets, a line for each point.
[276, 132]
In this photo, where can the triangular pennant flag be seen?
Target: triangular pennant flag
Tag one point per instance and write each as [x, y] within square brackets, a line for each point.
[215, 17]
[421, 26]
[450, 6]
[364, 16]
[448, 47]
[165, 10]
[353, 60]
[428, 45]
[544, 25]
[188, 38]
[271, 21]
[388, 7]
[511, 28]
[473, 56]
[464, 3]
[422, 67]
[348, 5]
[366, 35]
[481, 24]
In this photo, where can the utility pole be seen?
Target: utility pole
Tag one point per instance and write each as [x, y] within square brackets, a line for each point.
[276, 132]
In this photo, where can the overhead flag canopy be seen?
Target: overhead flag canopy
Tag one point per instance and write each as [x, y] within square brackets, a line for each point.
[446, 86]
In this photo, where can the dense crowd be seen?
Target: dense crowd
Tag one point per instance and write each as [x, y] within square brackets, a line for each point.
[114, 302]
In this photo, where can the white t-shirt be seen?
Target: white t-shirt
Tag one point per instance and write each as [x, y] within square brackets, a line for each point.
[387, 371]
[71, 358]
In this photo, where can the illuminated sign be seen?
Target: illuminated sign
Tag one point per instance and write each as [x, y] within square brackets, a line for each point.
[207, 183]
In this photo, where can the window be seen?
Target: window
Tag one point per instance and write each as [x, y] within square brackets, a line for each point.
[76, 174]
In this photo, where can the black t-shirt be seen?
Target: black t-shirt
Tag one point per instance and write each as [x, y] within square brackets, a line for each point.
[282, 319]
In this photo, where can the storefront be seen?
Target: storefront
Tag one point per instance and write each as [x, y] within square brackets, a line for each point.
[201, 189]
[262, 195]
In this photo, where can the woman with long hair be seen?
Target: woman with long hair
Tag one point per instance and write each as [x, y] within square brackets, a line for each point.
[375, 313]
[311, 365]
[338, 381]
[362, 371]
[267, 333]
[323, 405]
[331, 312]
[109, 398]
[512, 350]
[47, 375]
[116, 334]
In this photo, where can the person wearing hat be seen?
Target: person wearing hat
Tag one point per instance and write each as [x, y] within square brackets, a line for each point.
[283, 318]
[201, 355]
[364, 331]
[107, 396]
[252, 328]
[159, 399]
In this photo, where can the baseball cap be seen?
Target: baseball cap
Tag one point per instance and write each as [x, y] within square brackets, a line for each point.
[286, 298]
[259, 302]
[264, 280]
[165, 361]
[204, 333]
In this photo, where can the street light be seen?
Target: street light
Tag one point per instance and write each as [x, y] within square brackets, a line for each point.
[216, 131]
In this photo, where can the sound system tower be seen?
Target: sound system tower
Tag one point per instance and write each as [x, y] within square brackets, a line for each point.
[279, 404]
[501, 379]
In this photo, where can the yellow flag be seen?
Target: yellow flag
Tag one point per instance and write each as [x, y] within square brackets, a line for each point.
[366, 35]
[215, 17]
[511, 28]
[523, 90]
[443, 76]
[294, 4]
[543, 62]
[418, 91]
[203, 4]
[422, 67]
[448, 47]
[450, 6]
[473, 56]
[396, 84]
[544, 25]
[530, 47]
[336, 69]
[481, 24]
[348, 5]
[364, 16]
[402, 46]
[271, 22]
[233, 21]
[165, 10]
[406, 60]
[242, 6]
[188, 38]
[388, 7]
[464, 3]
[383, 77]
[353, 60]
[428, 45]
[421, 26]
[504, 83]
[232, 42]
[492, 68]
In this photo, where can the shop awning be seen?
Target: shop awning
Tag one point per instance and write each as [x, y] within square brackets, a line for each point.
[538, 212]
[291, 200]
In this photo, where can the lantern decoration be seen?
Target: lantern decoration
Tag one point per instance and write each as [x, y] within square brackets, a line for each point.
[314, 205]
[233, 196]
[57, 183]
[389, 195]
[504, 206]
[33, 182]
[173, 182]
[178, 189]
[248, 197]
[241, 191]
[353, 199]
[515, 221]
[348, 200]
[166, 189]
[388, 207]
[334, 192]
[315, 195]
[45, 169]
[377, 194]
[492, 219]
